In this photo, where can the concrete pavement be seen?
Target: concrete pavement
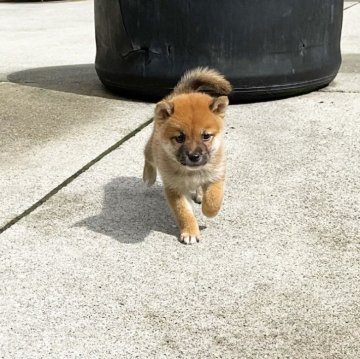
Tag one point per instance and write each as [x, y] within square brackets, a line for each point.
[96, 271]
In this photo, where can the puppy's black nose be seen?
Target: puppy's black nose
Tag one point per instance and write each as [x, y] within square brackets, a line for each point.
[194, 156]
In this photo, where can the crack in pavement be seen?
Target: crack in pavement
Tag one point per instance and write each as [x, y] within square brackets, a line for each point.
[74, 176]
[339, 91]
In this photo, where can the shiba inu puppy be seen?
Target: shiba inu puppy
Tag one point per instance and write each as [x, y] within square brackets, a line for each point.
[186, 147]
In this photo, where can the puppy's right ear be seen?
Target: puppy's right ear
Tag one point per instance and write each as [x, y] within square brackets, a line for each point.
[164, 109]
[219, 104]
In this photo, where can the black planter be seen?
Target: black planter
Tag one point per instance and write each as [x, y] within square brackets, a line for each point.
[266, 48]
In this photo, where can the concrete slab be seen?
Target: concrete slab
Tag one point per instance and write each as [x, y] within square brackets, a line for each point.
[349, 4]
[40, 35]
[48, 131]
[97, 271]
[348, 79]
[350, 31]
[47, 136]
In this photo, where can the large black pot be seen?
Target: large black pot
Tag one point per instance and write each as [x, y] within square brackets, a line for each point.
[266, 48]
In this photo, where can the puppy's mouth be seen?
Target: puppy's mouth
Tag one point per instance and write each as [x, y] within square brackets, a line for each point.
[193, 164]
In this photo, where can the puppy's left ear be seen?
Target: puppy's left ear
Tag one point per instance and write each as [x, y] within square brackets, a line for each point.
[219, 104]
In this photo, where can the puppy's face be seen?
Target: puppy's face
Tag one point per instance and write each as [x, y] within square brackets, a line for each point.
[191, 128]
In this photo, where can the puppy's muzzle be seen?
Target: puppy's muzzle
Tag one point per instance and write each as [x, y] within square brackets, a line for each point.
[193, 159]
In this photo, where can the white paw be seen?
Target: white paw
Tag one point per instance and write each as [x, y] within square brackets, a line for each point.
[187, 238]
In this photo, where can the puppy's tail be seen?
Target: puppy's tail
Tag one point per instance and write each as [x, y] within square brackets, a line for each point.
[203, 79]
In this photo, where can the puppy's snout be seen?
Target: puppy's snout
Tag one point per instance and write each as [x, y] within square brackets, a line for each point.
[194, 156]
[191, 157]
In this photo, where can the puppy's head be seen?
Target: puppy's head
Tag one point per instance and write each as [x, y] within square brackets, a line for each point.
[190, 127]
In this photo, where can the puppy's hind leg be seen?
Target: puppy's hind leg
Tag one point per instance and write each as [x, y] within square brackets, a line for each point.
[149, 172]
[197, 196]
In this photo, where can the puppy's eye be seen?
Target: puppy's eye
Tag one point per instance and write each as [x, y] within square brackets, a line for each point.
[180, 138]
[206, 136]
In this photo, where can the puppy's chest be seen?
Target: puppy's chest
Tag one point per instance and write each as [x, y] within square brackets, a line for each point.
[191, 181]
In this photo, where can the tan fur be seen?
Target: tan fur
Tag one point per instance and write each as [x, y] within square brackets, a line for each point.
[192, 115]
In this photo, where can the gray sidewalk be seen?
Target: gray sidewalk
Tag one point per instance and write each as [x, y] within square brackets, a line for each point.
[96, 271]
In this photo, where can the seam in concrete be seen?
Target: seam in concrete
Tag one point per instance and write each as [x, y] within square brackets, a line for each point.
[339, 91]
[350, 6]
[74, 176]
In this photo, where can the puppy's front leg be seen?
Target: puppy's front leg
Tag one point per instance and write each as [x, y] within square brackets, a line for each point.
[149, 172]
[189, 229]
[212, 198]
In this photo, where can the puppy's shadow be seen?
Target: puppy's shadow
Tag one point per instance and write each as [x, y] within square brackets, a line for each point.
[131, 211]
